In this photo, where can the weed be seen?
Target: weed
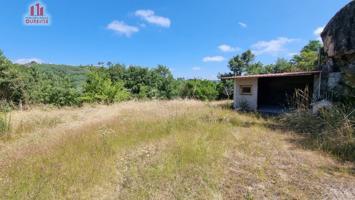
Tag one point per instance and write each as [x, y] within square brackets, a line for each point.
[332, 130]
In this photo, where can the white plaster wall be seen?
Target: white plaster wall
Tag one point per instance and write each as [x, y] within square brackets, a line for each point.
[252, 99]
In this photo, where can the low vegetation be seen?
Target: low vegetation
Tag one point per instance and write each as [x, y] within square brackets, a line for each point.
[162, 150]
[331, 130]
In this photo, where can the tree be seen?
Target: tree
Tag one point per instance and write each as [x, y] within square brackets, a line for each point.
[162, 80]
[313, 45]
[282, 65]
[52, 88]
[307, 60]
[256, 68]
[13, 87]
[236, 65]
[116, 72]
[225, 89]
[240, 63]
[199, 89]
[99, 88]
[247, 57]
[135, 79]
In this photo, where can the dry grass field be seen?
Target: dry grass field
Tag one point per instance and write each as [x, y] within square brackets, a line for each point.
[162, 150]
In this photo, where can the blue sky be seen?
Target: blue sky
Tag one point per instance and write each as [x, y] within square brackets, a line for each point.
[194, 38]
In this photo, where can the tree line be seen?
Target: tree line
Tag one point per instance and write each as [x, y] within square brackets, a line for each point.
[306, 60]
[63, 85]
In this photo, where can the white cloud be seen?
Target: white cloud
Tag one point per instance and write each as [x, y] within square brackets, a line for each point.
[272, 47]
[228, 48]
[318, 31]
[27, 60]
[243, 25]
[122, 28]
[150, 17]
[196, 68]
[213, 59]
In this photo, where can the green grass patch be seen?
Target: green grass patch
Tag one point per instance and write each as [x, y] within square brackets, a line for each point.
[87, 158]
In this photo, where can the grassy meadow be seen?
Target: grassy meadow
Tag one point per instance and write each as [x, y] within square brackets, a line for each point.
[179, 149]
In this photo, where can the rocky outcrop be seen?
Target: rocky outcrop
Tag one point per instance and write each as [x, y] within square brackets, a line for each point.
[339, 34]
[339, 46]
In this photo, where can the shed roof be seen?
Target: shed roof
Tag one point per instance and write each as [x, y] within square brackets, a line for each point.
[273, 75]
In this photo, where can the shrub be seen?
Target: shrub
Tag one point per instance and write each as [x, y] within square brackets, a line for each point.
[100, 88]
[331, 130]
[244, 106]
[199, 89]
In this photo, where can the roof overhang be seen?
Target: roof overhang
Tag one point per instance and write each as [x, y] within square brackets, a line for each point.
[273, 75]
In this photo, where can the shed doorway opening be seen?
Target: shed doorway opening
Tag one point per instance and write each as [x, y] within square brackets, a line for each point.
[275, 93]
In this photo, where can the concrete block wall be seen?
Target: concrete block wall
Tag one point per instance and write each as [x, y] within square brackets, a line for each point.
[251, 99]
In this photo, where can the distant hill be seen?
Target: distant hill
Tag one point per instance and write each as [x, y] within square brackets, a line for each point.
[77, 74]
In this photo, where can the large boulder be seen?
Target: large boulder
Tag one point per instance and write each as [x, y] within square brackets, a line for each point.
[339, 34]
[339, 46]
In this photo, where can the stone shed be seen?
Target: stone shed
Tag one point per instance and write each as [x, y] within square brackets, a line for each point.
[270, 92]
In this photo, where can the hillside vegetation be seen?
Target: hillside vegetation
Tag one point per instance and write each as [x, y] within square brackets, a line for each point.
[162, 150]
[30, 84]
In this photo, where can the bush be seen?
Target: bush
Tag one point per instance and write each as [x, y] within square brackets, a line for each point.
[244, 106]
[332, 130]
[99, 88]
[199, 89]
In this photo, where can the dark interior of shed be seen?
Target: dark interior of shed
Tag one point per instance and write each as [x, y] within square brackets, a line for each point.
[276, 92]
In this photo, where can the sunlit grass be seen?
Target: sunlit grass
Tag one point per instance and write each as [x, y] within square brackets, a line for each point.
[84, 159]
[158, 150]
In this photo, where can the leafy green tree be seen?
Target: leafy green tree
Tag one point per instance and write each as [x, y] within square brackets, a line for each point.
[199, 89]
[13, 87]
[63, 94]
[117, 72]
[247, 57]
[313, 45]
[236, 65]
[282, 65]
[135, 78]
[99, 88]
[256, 68]
[240, 63]
[52, 88]
[307, 60]
[162, 82]
[225, 89]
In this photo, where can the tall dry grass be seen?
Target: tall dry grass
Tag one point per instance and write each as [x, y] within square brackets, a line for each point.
[87, 156]
[5, 124]
[152, 150]
[331, 129]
